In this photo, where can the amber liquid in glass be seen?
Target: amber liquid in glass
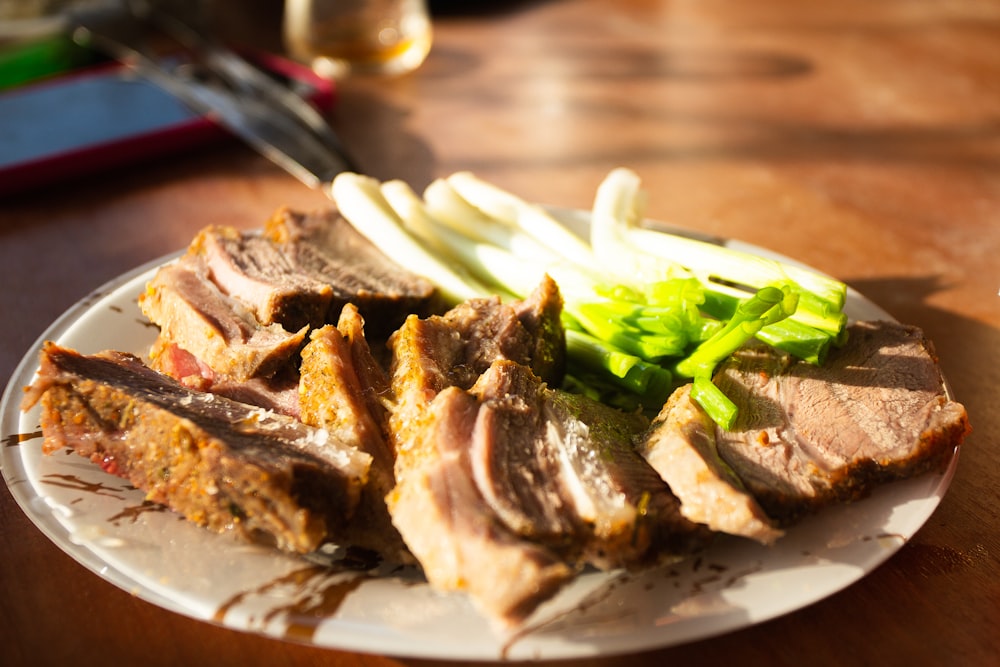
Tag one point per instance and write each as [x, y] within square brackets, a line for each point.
[340, 37]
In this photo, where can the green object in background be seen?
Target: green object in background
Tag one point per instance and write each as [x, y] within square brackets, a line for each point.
[23, 62]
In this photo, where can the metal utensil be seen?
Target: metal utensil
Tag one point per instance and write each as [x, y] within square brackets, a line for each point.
[217, 81]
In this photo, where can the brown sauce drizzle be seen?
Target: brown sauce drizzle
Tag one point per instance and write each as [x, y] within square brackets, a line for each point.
[133, 512]
[306, 614]
[74, 482]
[92, 298]
[307, 608]
[15, 439]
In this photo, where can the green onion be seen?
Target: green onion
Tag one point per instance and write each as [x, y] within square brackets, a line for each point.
[644, 310]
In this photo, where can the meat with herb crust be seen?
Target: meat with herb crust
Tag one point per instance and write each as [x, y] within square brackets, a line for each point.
[224, 465]
[343, 389]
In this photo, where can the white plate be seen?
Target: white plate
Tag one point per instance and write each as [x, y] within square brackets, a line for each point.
[102, 522]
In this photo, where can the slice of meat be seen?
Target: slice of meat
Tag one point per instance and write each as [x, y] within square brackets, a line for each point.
[218, 330]
[497, 474]
[518, 462]
[541, 315]
[323, 246]
[454, 349]
[561, 469]
[460, 543]
[807, 436]
[224, 465]
[681, 447]
[254, 270]
[436, 506]
[458, 346]
[278, 392]
[343, 390]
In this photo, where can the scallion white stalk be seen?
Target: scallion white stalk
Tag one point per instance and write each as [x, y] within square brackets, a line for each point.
[361, 202]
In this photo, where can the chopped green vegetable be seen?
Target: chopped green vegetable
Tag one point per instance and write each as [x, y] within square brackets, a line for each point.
[718, 406]
[740, 290]
[644, 309]
[648, 381]
[768, 306]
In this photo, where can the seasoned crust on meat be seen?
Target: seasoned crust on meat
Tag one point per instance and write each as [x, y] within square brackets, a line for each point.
[221, 464]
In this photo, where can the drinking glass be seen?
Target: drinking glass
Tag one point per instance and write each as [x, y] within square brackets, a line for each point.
[341, 37]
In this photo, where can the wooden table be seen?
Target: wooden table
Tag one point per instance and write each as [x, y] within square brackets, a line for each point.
[862, 138]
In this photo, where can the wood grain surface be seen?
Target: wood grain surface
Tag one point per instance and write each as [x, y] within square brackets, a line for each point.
[862, 138]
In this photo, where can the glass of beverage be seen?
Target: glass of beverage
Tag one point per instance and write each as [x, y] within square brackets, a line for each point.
[341, 37]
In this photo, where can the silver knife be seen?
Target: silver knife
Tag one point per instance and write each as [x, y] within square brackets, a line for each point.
[219, 83]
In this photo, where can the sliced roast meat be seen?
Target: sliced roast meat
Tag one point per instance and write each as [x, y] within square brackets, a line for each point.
[807, 435]
[458, 346]
[518, 462]
[455, 348]
[431, 354]
[372, 374]
[343, 390]
[240, 303]
[224, 465]
[561, 469]
[497, 473]
[342, 385]
[681, 446]
[255, 270]
[541, 315]
[324, 247]
[278, 392]
[436, 505]
[194, 314]
[460, 543]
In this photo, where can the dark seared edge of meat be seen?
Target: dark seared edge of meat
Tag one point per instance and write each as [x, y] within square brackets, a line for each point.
[219, 463]
[324, 247]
